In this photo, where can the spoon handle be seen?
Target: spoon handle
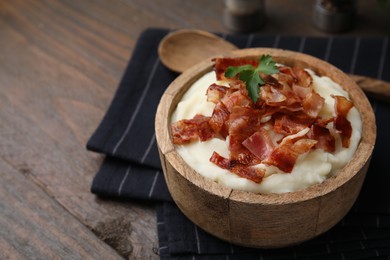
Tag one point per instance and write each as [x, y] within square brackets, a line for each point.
[373, 87]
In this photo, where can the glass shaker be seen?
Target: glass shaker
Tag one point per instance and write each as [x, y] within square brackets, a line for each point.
[244, 15]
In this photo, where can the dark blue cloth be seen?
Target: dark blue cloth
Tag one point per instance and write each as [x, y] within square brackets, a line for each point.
[132, 169]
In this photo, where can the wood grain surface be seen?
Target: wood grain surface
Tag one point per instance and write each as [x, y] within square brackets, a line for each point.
[60, 64]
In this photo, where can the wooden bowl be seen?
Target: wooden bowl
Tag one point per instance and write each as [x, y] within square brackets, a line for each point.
[264, 220]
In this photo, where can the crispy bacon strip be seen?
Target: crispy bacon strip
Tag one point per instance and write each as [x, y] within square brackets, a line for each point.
[279, 96]
[219, 120]
[236, 99]
[272, 81]
[312, 104]
[242, 170]
[188, 130]
[260, 144]
[301, 92]
[286, 76]
[272, 96]
[344, 127]
[341, 123]
[287, 124]
[324, 139]
[342, 105]
[243, 122]
[216, 92]
[286, 154]
[303, 77]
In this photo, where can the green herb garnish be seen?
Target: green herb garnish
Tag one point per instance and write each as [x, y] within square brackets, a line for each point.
[251, 75]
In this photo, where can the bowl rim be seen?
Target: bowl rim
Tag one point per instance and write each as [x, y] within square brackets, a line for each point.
[180, 85]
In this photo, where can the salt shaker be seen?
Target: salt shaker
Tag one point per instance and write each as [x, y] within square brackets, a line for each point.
[244, 15]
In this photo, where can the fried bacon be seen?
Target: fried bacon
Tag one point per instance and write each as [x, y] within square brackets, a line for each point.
[302, 77]
[236, 99]
[288, 124]
[325, 140]
[243, 122]
[216, 92]
[287, 105]
[342, 105]
[242, 170]
[286, 76]
[312, 104]
[341, 123]
[343, 126]
[188, 130]
[260, 144]
[219, 120]
[286, 154]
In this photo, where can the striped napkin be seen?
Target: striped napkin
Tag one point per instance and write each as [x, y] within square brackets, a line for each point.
[132, 169]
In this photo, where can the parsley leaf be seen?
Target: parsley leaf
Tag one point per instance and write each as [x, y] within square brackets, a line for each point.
[251, 75]
[267, 65]
[231, 71]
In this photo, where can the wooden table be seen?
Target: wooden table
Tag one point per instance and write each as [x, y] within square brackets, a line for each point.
[60, 64]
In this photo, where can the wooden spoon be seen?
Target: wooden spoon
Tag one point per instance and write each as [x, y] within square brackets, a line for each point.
[181, 49]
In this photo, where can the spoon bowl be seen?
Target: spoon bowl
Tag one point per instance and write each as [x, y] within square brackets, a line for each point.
[182, 49]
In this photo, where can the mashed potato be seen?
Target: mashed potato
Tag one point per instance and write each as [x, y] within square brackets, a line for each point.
[311, 168]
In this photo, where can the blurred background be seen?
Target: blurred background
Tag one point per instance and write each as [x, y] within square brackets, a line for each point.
[124, 20]
[282, 16]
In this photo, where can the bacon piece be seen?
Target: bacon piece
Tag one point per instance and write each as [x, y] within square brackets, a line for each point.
[286, 75]
[260, 144]
[269, 111]
[272, 96]
[216, 92]
[243, 122]
[312, 104]
[282, 97]
[324, 139]
[301, 92]
[188, 130]
[304, 145]
[286, 154]
[341, 123]
[303, 77]
[271, 80]
[236, 99]
[237, 85]
[343, 126]
[298, 75]
[287, 124]
[302, 82]
[342, 105]
[221, 64]
[222, 162]
[251, 173]
[219, 120]
[324, 122]
[287, 70]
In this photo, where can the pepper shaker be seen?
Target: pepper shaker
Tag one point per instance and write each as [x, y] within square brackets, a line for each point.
[334, 15]
[244, 15]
